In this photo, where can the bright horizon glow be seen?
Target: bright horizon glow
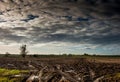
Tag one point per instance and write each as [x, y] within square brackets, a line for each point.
[60, 48]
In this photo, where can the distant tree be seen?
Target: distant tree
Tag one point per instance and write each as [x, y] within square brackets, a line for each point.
[7, 54]
[72, 0]
[85, 54]
[70, 54]
[64, 54]
[23, 51]
[94, 54]
[35, 55]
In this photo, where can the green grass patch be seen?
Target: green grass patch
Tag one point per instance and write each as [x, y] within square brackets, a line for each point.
[116, 75]
[6, 73]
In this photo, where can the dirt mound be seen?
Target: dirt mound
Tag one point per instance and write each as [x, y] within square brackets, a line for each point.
[60, 69]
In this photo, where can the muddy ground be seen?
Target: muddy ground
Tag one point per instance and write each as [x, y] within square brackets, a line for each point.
[62, 69]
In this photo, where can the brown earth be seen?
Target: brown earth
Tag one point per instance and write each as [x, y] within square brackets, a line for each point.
[62, 69]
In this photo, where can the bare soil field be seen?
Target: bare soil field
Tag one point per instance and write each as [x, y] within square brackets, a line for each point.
[105, 59]
[63, 69]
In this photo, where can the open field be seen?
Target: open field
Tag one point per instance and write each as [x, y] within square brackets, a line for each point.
[60, 69]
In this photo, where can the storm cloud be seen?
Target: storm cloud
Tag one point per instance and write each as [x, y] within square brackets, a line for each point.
[70, 21]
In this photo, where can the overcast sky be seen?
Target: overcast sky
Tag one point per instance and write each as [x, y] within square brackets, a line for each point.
[60, 26]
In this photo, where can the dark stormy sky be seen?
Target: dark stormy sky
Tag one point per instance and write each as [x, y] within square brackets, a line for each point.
[60, 26]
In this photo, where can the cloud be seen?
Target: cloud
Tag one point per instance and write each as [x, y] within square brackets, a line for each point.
[74, 21]
[30, 17]
[8, 36]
